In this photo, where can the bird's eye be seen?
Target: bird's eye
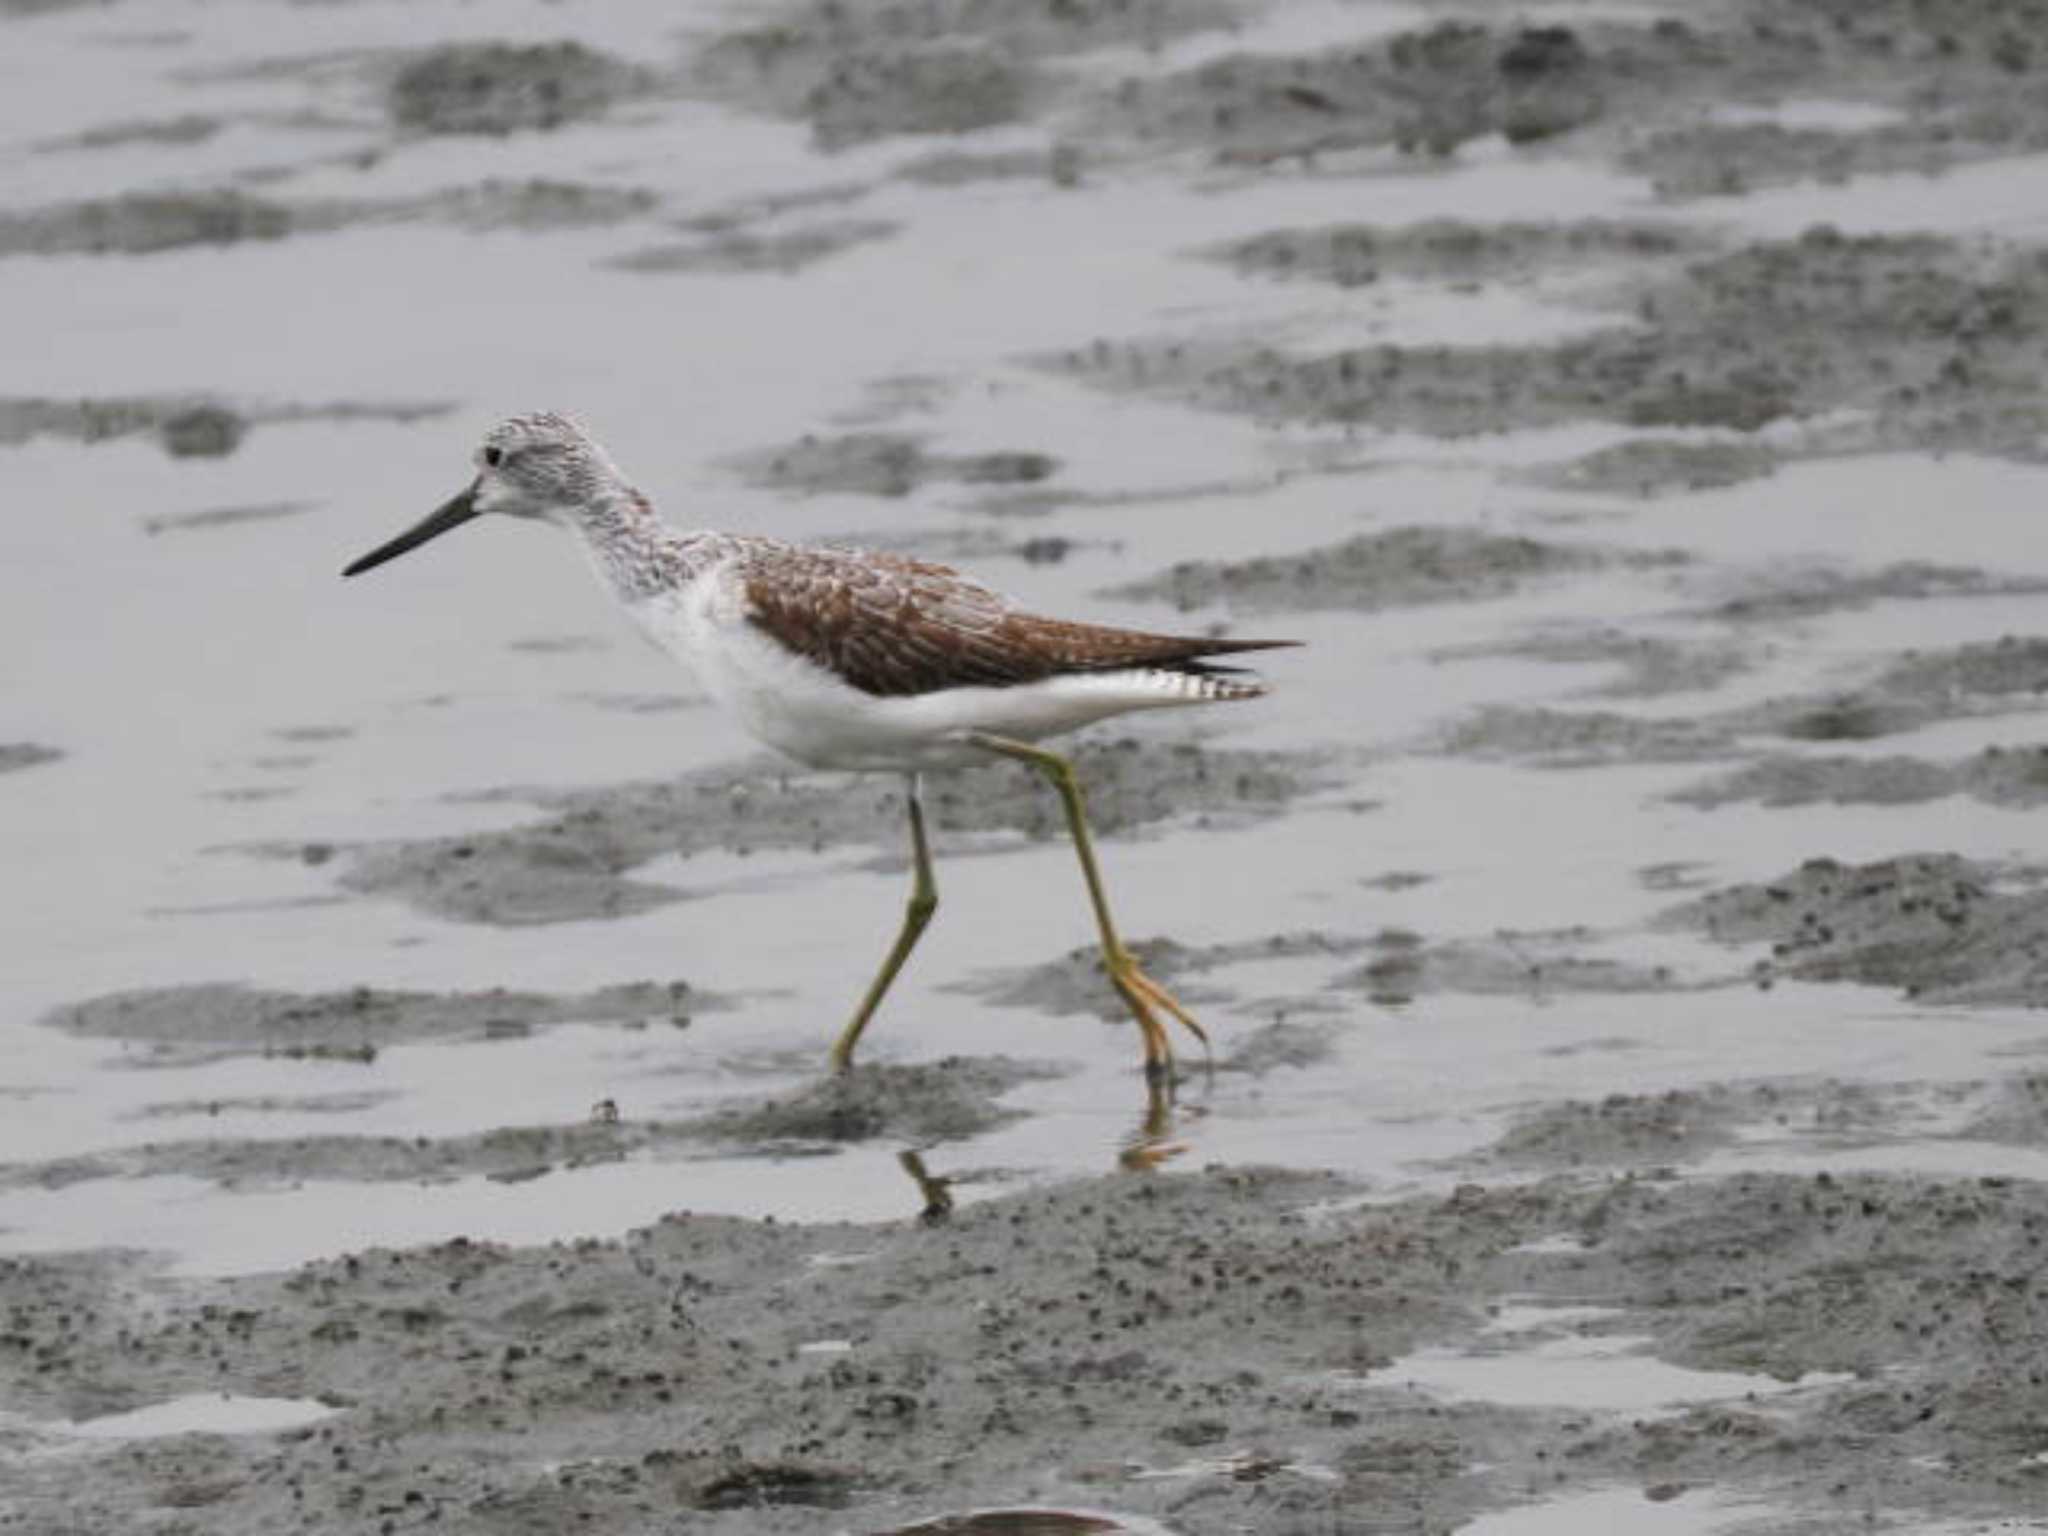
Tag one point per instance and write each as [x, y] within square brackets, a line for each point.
[494, 457]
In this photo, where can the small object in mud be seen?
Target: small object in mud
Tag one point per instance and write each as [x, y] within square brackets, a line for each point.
[860, 660]
[937, 1192]
[605, 1112]
[203, 432]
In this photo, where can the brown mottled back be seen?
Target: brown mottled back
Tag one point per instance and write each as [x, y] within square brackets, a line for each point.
[891, 625]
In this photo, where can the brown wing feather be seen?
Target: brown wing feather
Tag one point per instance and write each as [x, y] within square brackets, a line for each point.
[891, 625]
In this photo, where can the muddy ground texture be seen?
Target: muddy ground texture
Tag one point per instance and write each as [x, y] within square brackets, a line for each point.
[1214, 1347]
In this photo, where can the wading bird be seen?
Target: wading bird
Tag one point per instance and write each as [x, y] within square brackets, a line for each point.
[854, 660]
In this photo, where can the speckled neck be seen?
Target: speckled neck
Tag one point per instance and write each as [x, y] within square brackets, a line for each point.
[636, 554]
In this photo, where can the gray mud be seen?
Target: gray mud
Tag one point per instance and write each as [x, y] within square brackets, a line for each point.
[1454, 251]
[149, 223]
[1956, 74]
[501, 88]
[577, 863]
[225, 517]
[1930, 337]
[884, 464]
[782, 251]
[1776, 594]
[1402, 967]
[883, 68]
[926, 1104]
[1561, 738]
[1649, 467]
[1395, 568]
[186, 426]
[2016, 777]
[1068, 1347]
[16, 755]
[1936, 926]
[1913, 690]
[176, 1025]
[1645, 666]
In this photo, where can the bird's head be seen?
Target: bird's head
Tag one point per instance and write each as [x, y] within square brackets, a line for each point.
[541, 466]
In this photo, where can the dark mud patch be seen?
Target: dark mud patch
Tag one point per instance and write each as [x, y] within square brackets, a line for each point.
[973, 544]
[884, 464]
[1536, 965]
[186, 426]
[1061, 165]
[1957, 76]
[947, 1100]
[2008, 776]
[1936, 926]
[1069, 1346]
[225, 517]
[1558, 738]
[1930, 338]
[186, 128]
[502, 88]
[944, 1101]
[1645, 666]
[861, 72]
[1395, 568]
[17, 755]
[1734, 159]
[1077, 984]
[1453, 250]
[1781, 593]
[1622, 1130]
[1652, 1132]
[211, 1020]
[1400, 967]
[576, 863]
[148, 223]
[781, 252]
[1650, 467]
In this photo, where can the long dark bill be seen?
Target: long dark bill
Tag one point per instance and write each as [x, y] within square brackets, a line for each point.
[452, 513]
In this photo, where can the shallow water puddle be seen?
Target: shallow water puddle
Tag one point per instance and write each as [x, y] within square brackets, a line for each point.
[1694, 1512]
[203, 1413]
[1598, 1372]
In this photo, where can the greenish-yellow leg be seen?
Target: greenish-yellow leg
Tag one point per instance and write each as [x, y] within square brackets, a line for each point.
[924, 900]
[1141, 994]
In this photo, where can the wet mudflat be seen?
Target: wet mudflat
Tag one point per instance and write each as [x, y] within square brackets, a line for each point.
[1620, 933]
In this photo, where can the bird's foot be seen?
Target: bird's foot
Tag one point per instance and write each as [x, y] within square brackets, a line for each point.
[1146, 999]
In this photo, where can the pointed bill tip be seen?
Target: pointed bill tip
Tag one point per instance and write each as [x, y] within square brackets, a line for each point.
[452, 513]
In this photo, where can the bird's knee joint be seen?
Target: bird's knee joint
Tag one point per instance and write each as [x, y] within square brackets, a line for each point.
[922, 906]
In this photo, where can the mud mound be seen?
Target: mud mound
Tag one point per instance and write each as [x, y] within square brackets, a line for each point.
[1452, 250]
[576, 863]
[186, 426]
[1396, 568]
[939, 1101]
[501, 88]
[16, 755]
[1556, 738]
[1929, 335]
[220, 1018]
[878, 68]
[1533, 965]
[1799, 591]
[1618, 1131]
[781, 252]
[144, 223]
[1646, 665]
[1649, 467]
[2008, 776]
[884, 464]
[1931, 924]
